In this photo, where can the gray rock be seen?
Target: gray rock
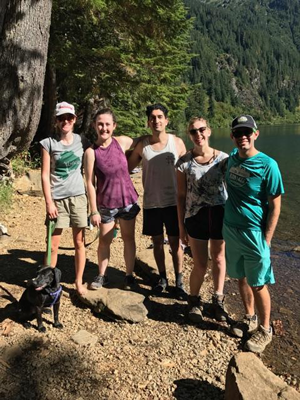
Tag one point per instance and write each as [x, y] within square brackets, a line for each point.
[84, 338]
[248, 379]
[122, 304]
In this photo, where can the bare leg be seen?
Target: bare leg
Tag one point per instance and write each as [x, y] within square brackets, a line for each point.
[127, 231]
[159, 253]
[247, 296]
[105, 239]
[217, 251]
[55, 239]
[200, 256]
[80, 259]
[177, 253]
[263, 304]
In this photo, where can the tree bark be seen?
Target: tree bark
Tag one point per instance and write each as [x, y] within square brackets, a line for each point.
[24, 32]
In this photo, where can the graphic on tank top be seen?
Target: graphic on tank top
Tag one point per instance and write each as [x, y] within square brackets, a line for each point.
[66, 163]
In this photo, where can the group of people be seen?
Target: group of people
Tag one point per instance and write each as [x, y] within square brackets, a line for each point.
[199, 197]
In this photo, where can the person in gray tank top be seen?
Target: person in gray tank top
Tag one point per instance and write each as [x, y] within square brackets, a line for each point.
[159, 153]
[63, 186]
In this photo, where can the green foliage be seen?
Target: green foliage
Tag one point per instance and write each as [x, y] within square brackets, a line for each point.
[129, 53]
[6, 193]
[246, 56]
[25, 161]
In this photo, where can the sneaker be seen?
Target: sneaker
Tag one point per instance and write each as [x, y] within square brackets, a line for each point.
[161, 286]
[194, 310]
[249, 324]
[129, 283]
[259, 340]
[219, 307]
[98, 282]
[180, 292]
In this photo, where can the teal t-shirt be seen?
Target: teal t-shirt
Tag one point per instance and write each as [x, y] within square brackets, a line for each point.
[250, 181]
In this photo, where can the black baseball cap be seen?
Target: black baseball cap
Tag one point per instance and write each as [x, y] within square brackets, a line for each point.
[243, 121]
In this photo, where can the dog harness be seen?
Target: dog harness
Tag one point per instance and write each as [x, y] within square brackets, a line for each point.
[54, 295]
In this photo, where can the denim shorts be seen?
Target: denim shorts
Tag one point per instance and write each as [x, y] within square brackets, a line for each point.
[127, 213]
[248, 256]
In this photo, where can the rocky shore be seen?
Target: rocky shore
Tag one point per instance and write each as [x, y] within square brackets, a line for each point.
[163, 357]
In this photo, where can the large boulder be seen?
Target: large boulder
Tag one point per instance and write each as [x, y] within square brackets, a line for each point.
[121, 304]
[30, 183]
[248, 379]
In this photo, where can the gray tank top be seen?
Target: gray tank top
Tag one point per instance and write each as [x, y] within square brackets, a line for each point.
[159, 176]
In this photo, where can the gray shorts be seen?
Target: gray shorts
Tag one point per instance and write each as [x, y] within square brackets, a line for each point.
[127, 213]
[72, 212]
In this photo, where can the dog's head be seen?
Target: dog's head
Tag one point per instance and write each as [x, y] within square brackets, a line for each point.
[46, 277]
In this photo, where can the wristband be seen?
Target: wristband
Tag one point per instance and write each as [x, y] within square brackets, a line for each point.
[94, 213]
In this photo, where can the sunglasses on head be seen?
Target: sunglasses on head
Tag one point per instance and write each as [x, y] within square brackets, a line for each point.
[239, 132]
[63, 117]
[194, 131]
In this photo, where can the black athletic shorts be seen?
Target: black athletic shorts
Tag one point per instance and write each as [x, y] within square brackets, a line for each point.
[207, 224]
[155, 219]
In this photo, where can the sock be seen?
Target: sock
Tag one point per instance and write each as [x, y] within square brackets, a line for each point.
[178, 276]
[163, 275]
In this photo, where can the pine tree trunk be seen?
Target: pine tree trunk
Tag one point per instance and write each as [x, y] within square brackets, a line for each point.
[24, 32]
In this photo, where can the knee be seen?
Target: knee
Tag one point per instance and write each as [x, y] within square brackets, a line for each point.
[218, 258]
[158, 241]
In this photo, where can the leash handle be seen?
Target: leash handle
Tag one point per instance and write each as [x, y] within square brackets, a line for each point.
[50, 230]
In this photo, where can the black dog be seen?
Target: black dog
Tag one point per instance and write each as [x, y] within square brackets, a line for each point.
[42, 291]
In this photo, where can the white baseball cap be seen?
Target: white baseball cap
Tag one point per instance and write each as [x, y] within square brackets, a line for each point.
[64, 108]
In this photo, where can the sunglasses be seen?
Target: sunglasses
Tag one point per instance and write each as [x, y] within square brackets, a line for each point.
[237, 133]
[194, 131]
[63, 117]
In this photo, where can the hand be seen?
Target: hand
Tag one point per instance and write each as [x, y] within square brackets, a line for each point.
[96, 220]
[184, 237]
[52, 210]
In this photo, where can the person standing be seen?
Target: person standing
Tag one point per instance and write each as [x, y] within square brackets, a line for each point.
[252, 210]
[201, 201]
[159, 153]
[63, 186]
[112, 195]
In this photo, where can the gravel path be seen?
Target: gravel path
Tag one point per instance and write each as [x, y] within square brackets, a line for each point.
[164, 357]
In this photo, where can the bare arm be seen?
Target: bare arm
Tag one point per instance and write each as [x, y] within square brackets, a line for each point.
[180, 146]
[89, 161]
[135, 156]
[181, 198]
[45, 175]
[273, 216]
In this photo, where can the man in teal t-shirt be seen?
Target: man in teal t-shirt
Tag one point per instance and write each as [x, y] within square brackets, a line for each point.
[254, 186]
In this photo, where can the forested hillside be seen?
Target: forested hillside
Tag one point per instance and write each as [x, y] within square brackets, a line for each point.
[246, 59]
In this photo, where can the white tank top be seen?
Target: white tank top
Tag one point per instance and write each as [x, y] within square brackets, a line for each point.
[159, 176]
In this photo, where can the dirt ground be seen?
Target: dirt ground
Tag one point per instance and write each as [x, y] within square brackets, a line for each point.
[163, 357]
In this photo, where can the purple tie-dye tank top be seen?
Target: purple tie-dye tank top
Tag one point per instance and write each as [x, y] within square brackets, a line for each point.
[114, 186]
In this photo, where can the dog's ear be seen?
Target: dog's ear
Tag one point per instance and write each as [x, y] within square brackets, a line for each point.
[41, 267]
[57, 275]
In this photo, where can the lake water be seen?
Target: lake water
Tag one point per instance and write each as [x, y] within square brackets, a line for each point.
[281, 142]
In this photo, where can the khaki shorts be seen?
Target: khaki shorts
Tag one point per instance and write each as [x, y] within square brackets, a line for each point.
[72, 212]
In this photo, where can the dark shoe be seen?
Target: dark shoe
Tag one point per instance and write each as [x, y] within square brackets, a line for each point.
[259, 340]
[219, 307]
[180, 292]
[194, 310]
[130, 283]
[98, 282]
[249, 324]
[161, 286]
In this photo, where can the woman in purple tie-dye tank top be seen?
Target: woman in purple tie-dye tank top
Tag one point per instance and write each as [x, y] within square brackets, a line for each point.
[111, 194]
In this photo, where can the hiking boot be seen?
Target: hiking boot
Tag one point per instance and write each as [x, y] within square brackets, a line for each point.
[259, 340]
[194, 310]
[249, 324]
[98, 282]
[129, 283]
[180, 292]
[161, 285]
[219, 307]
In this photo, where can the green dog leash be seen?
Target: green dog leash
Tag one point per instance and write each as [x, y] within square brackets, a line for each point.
[50, 230]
